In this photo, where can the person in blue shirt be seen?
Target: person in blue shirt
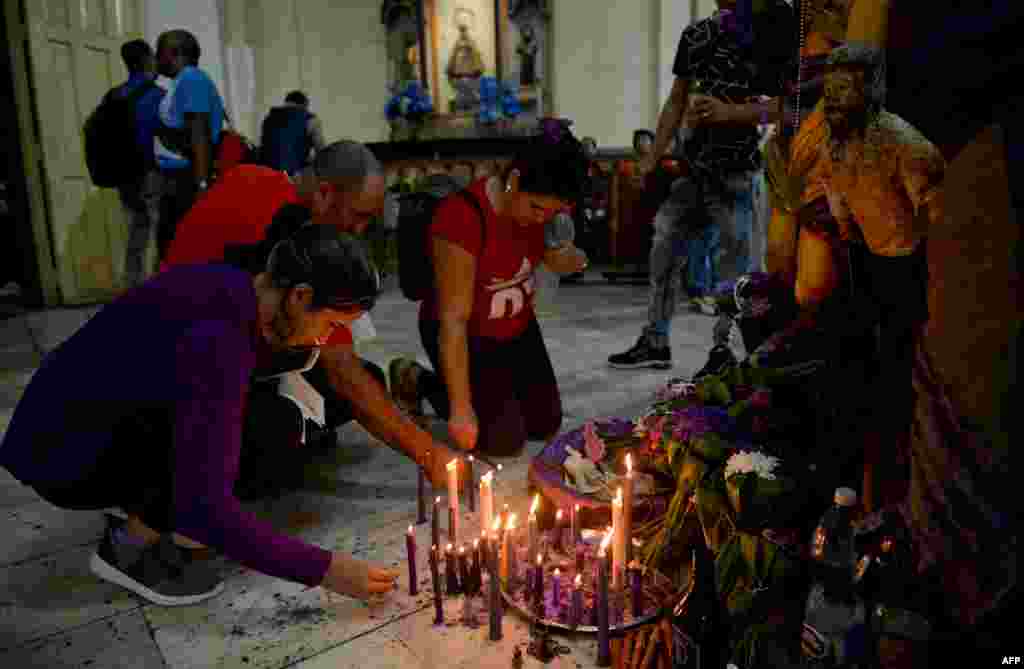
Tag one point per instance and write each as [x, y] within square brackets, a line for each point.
[141, 197]
[290, 133]
[191, 117]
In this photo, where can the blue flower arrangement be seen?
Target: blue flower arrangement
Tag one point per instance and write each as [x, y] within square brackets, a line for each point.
[411, 104]
[497, 101]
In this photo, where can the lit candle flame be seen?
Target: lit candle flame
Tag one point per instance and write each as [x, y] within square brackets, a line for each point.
[452, 465]
[511, 525]
[487, 478]
[462, 550]
[476, 543]
[536, 503]
[577, 508]
[557, 572]
[558, 516]
[499, 466]
[603, 550]
[410, 529]
[629, 464]
[449, 548]
[540, 559]
[471, 459]
[437, 500]
[496, 527]
[618, 496]
[578, 581]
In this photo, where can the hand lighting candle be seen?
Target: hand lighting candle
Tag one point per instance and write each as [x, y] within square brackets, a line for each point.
[604, 656]
[532, 532]
[576, 606]
[436, 579]
[618, 542]
[435, 523]
[559, 532]
[487, 500]
[471, 483]
[627, 509]
[453, 501]
[410, 549]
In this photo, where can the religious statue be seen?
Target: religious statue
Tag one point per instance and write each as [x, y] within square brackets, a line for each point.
[466, 64]
[527, 51]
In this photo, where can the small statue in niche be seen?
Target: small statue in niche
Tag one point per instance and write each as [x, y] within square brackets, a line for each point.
[466, 64]
[527, 50]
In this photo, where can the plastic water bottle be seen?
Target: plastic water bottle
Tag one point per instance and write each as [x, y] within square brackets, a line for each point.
[833, 547]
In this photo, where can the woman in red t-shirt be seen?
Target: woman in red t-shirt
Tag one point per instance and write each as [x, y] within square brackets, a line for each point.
[479, 328]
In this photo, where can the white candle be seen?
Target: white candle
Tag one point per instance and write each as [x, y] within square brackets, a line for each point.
[531, 525]
[618, 541]
[453, 497]
[627, 508]
[487, 500]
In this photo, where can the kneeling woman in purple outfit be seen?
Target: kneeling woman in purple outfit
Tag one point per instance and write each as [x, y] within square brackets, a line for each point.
[142, 409]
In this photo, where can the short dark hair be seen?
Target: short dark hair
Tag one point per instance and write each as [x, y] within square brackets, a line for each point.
[135, 54]
[183, 41]
[552, 164]
[297, 97]
[637, 134]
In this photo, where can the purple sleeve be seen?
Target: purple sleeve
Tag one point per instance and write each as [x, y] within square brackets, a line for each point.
[214, 362]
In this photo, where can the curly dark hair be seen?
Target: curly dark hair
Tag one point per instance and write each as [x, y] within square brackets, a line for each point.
[552, 163]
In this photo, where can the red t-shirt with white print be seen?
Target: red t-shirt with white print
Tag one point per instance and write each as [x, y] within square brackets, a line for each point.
[503, 299]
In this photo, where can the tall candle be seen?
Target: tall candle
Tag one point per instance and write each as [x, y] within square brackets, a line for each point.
[505, 513]
[467, 584]
[627, 508]
[604, 656]
[453, 501]
[471, 483]
[477, 578]
[451, 576]
[494, 601]
[487, 500]
[531, 526]
[556, 590]
[574, 521]
[436, 579]
[638, 593]
[559, 532]
[576, 606]
[435, 523]
[618, 541]
[410, 549]
[512, 577]
[421, 501]
[506, 557]
[538, 583]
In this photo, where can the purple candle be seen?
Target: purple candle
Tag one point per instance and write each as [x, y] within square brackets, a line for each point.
[436, 578]
[604, 654]
[451, 574]
[638, 592]
[410, 548]
[435, 523]
[453, 520]
[574, 525]
[421, 502]
[471, 477]
[559, 532]
[467, 584]
[476, 577]
[576, 606]
[494, 601]
[556, 590]
[581, 558]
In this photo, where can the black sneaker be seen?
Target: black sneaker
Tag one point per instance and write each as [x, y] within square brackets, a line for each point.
[643, 355]
[720, 358]
[162, 573]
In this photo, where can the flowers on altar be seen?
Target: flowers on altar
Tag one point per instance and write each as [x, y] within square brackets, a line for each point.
[593, 444]
[497, 101]
[411, 104]
[751, 462]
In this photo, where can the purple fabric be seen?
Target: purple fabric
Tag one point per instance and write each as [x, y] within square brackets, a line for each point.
[185, 340]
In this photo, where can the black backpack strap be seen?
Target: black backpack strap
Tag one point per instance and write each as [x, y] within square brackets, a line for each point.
[475, 203]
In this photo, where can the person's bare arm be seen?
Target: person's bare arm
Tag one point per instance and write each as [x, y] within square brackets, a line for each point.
[455, 289]
[565, 260]
[375, 411]
[198, 125]
[668, 122]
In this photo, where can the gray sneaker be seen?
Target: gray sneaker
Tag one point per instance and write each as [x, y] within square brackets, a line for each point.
[162, 573]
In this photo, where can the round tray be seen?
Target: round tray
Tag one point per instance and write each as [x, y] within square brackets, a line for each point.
[545, 476]
[657, 588]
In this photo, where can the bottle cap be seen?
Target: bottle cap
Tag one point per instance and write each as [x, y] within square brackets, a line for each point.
[845, 497]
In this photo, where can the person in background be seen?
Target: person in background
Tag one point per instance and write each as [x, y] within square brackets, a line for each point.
[290, 133]
[141, 198]
[245, 213]
[191, 115]
[722, 158]
[158, 429]
[495, 384]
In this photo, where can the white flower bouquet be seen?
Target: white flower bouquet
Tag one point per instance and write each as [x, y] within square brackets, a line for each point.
[755, 485]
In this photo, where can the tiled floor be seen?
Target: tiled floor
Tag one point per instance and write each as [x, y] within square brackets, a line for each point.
[54, 613]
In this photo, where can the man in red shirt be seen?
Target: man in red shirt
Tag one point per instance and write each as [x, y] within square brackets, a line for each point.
[240, 219]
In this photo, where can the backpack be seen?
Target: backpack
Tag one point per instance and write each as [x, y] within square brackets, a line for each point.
[112, 154]
[232, 148]
[415, 263]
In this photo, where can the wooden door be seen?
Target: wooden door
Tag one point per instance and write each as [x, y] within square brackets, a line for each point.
[75, 53]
